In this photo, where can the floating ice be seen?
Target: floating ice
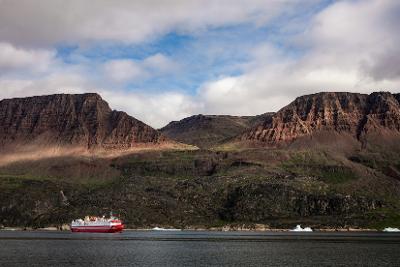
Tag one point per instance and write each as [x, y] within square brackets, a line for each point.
[390, 229]
[165, 229]
[299, 229]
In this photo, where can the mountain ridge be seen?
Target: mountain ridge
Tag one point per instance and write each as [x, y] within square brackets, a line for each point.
[362, 116]
[206, 131]
[82, 120]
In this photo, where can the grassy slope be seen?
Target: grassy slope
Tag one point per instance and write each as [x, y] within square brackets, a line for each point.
[206, 188]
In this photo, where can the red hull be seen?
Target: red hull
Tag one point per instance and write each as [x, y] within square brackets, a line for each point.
[98, 229]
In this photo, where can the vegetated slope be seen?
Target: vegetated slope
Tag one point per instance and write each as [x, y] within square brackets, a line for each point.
[206, 131]
[364, 118]
[81, 120]
[201, 189]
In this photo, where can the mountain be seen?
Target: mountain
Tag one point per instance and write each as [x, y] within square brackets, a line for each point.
[327, 160]
[326, 117]
[67, 120]
[206, 131]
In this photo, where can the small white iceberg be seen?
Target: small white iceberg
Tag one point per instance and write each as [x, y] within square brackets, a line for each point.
[299, 229]
[390, 229]
[165, 229]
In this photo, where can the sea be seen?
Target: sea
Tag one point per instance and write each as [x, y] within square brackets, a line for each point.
[199, 248]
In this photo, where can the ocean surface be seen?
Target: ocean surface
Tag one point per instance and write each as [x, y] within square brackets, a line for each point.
[198, 248]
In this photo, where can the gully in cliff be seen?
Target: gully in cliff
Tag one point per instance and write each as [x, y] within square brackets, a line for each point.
[97, 225]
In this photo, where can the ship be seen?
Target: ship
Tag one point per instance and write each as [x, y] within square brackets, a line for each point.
[95, 224]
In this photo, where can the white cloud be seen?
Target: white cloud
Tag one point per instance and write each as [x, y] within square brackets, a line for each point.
[225, 93]
[123, 70]
[160, 63]
[357, 35]
[56, 21]
[126, 70]
[35, 60]
[66, 81]
[155, 109]
[351, 46]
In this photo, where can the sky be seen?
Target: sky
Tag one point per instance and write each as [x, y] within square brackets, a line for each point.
[161, 61]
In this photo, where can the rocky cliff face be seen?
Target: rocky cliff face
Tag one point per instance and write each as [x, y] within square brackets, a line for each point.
[83, 120]
[359, 115]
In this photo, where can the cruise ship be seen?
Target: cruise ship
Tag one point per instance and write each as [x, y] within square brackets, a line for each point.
[95, 224]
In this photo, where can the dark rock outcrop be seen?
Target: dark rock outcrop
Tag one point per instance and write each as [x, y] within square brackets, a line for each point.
[83, 120]
[266, 201]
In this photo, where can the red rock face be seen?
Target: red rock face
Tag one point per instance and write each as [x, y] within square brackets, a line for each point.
[383, 111]
[356, 114]
[83, 120]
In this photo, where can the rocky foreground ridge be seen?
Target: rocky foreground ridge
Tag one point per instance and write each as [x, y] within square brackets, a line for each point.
[82, 120]
[363, 117]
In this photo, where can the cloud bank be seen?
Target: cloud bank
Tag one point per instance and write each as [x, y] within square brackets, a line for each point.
[224, 57]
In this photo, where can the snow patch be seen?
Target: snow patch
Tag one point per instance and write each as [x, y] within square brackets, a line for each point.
[165, 229]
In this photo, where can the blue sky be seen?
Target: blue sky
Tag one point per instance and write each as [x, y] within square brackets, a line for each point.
[165, 60]
[202, 56]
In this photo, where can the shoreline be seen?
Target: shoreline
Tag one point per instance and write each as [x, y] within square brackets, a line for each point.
[211, 229]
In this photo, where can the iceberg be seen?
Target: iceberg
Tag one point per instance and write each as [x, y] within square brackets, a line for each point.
[390, 229]
[165, 229]
[299, 229]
